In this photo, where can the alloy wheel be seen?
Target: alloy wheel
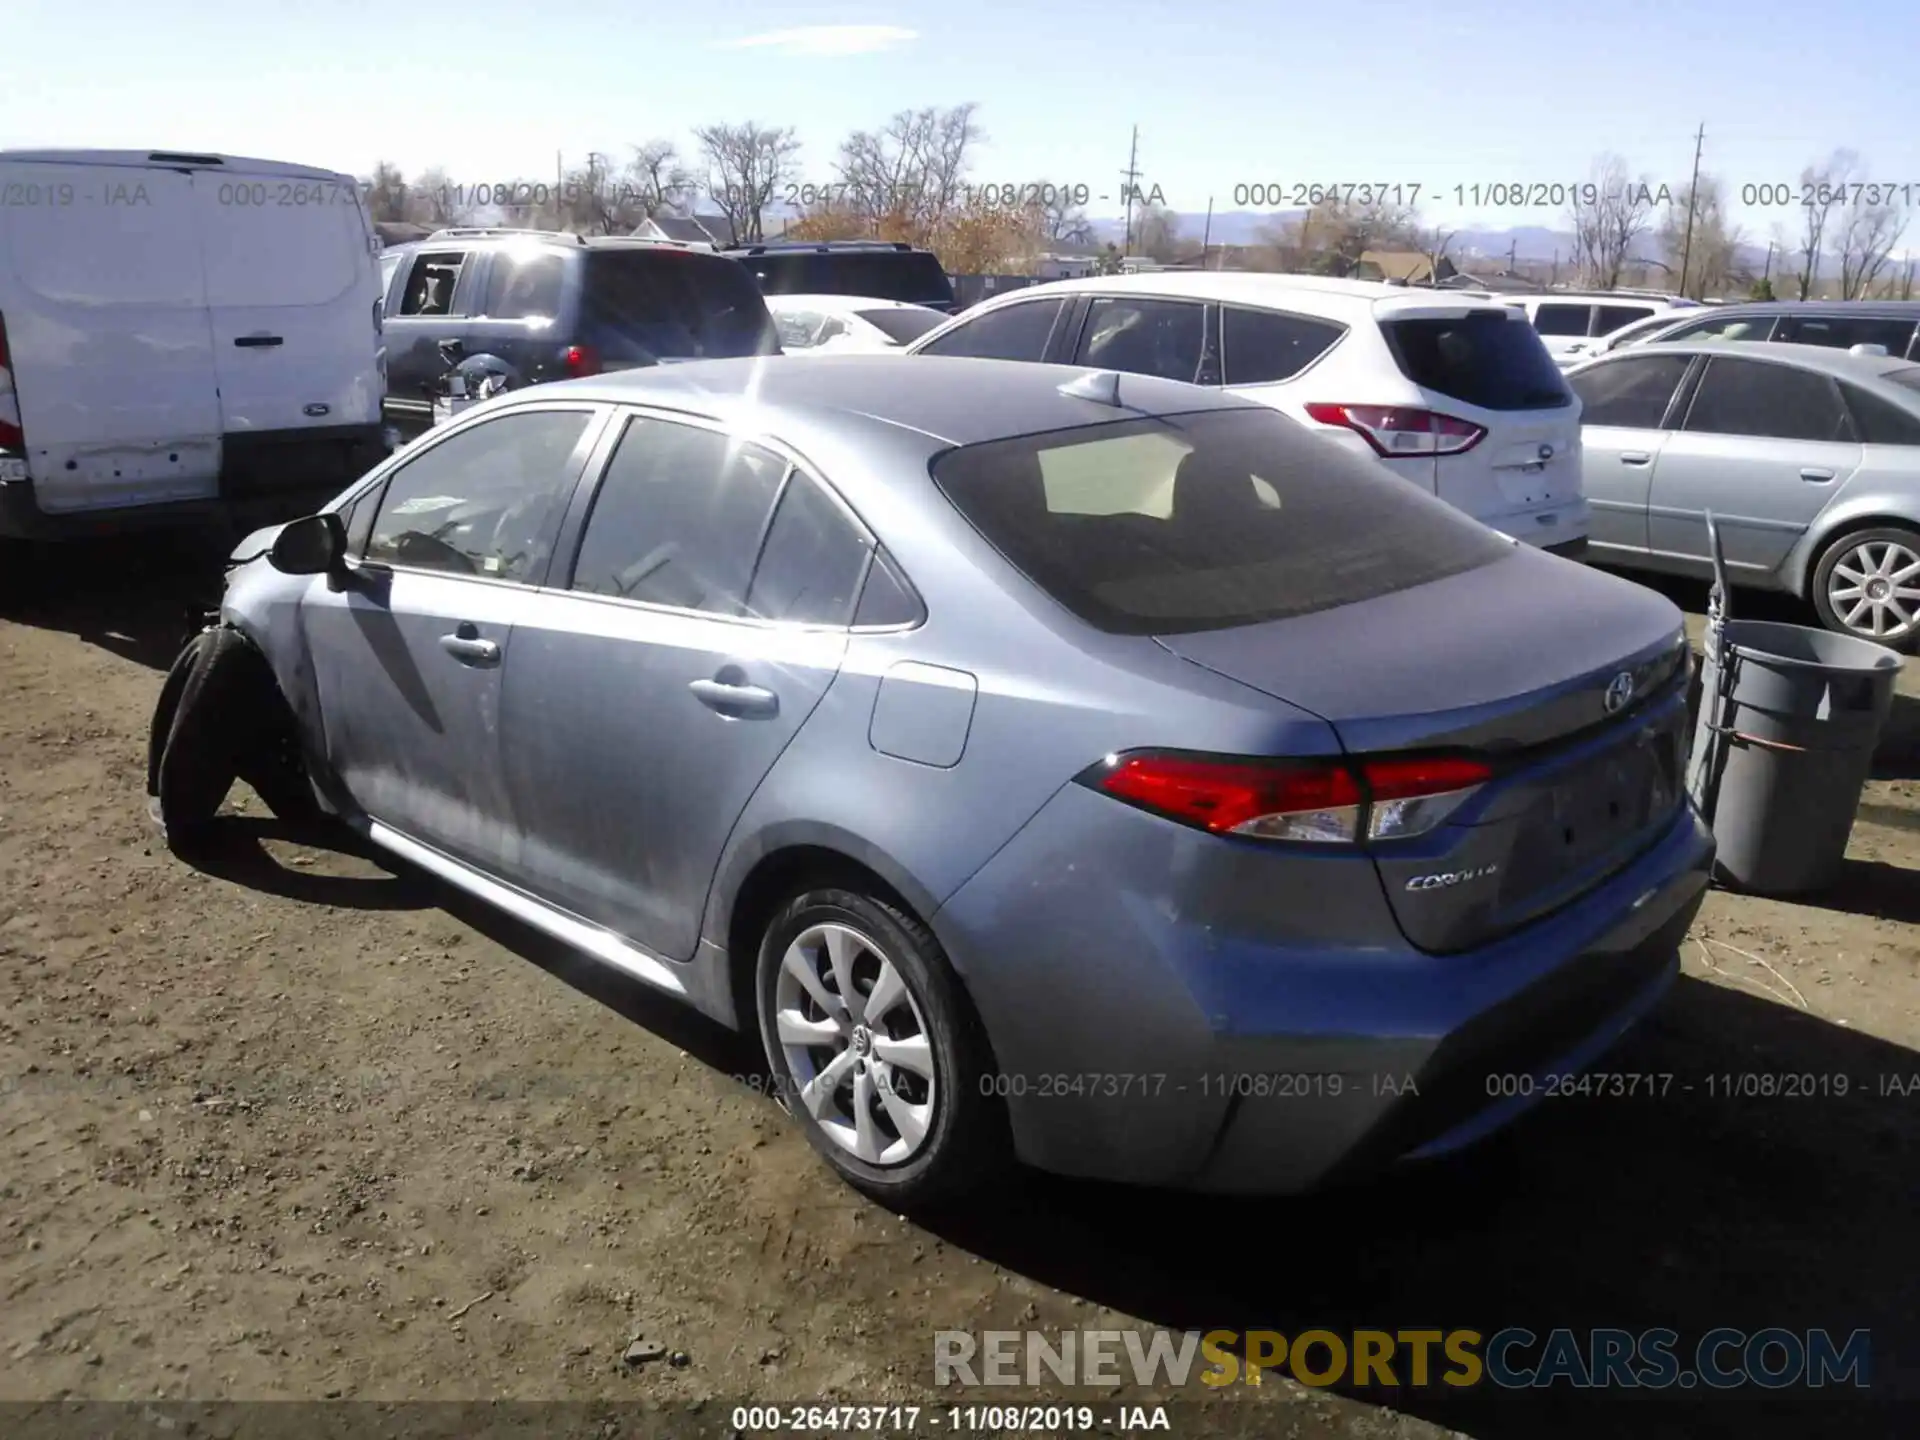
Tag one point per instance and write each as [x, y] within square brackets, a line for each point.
[856, 1044]
[1874, 589]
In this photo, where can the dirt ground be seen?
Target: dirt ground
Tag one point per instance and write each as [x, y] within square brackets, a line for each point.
[302, 1124]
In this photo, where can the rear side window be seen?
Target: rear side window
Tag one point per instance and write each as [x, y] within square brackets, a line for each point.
[678, 518]
[1731, 327]
[1844, 331]
[1261, 346]
[1167, 338]
[642, 306]
[1562, 319]
[431, 282]
[1198, 522]
[1879, 421]
[1483, 358]
[1013, 332]
[1751, 397]
[1632, 393]
[1609, 318]
[811, 565]
[525, 286]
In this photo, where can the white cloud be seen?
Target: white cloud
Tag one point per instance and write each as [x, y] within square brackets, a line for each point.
[827, 40]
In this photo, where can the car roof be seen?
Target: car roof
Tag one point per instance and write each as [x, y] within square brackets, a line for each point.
[1827, 358]
[1323, 293]
[1596, 297]
[172, 160]
[948, 399]
[847, 303]
[1900, 309]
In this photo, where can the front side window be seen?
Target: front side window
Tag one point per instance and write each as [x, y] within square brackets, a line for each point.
[1752, 397]
[1632, 393]
[678, 518]
[799, 329]
[1013, 332]
[1198, 522]
[485, 501]
[1167, 338]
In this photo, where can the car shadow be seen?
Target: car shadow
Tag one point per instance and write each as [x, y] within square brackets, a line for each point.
[141, 597]
[1692, 1207]
[1870, 888]
[235, 849]
[1898, 755]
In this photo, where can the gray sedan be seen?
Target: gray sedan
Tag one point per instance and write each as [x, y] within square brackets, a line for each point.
[1086, 768]
[1808, 457]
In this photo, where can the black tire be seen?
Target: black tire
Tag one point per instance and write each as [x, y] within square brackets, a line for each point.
[966, 1146]
[228, 723]
[1823, 574]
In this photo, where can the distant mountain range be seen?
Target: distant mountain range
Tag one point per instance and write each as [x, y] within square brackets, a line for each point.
[1531, 243]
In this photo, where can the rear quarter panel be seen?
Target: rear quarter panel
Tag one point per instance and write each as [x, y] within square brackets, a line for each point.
[1885, 490]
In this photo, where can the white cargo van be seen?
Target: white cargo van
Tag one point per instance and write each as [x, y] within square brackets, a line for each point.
[180, 334]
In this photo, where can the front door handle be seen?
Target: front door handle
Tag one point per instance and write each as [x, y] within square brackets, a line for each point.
[465, 645]
[1635, 457]
[745, 702]
[1816, 474]
[258, 342]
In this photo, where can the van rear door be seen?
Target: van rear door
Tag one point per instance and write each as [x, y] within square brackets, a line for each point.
[292, 283]
[106, 317]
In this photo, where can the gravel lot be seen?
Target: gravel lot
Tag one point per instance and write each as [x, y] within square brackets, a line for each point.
[299, 1124]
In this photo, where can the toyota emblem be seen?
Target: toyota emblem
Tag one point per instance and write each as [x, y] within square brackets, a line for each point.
[1619, 691]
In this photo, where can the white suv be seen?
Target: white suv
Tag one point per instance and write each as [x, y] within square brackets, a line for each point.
[1454, 393]
[1573, 325]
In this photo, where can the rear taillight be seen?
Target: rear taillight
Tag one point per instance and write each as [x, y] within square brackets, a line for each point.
[581, 360]
[1395, 430]
[1321, 801]
[12, 436]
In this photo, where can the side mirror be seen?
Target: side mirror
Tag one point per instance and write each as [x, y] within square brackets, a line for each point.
[315, 545]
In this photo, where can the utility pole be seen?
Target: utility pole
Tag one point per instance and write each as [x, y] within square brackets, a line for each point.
[1555, 276]
[1767, 274]
[1513, 253]
[1206, 234]
[1693, 190]
[1132, 175]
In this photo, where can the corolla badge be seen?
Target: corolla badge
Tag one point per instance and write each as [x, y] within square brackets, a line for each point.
[1619, 691]
[1447, 879]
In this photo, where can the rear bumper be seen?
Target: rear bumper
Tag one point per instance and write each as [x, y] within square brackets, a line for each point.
[268, 476]
[1139, 1038]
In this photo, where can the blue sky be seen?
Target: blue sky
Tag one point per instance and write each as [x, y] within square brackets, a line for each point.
[1434, 95]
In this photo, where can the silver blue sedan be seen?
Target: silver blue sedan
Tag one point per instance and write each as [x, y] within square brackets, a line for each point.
[1089, 769]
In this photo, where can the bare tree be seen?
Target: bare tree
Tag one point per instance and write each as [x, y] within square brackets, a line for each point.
[1608, 217]
[1824, 188]
[1156, 234]
[660, 183]
[1062, 222]
[1434, 244]
[1703, 261]
[913, 169]
[746, 164]
[386, 193]
[433, 199]
[1868, 229]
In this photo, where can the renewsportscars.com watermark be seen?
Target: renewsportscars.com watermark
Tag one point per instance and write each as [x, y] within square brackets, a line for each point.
[1512, 1358]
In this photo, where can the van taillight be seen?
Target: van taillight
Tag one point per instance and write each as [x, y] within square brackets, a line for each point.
[12, 436]
[1324, 801]
[581, 360]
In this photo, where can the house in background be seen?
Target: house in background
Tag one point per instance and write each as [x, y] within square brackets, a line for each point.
[1408, 267]
[710, 232]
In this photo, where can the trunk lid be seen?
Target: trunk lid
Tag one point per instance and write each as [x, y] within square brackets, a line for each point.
[1514, 662]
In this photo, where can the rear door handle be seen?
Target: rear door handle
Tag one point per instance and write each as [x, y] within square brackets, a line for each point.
[1635, 457]
[1814, 473]
[465, 644]
[748, 702]
[257, 342]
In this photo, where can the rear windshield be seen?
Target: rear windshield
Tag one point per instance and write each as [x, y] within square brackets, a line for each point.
[902, 327]
[649, 305]
[1484, 359]
[1203, 521]
[911, 275]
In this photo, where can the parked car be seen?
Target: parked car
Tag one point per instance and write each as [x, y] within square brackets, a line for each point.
[549, 306]
[180, 336]
[1452, 393]
[848, 324]
[888, 270]
[1808, 457]
[1642, 329]
[1031, 767]
[1570, 324]
[1893, 325]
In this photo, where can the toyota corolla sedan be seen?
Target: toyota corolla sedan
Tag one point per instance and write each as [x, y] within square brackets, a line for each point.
[1086, 768]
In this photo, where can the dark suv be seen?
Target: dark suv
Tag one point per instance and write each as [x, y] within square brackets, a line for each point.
[550, 306]
[876, 269]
